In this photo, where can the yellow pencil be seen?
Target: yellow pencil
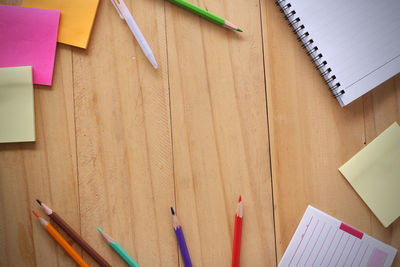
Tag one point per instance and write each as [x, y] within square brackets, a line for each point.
[61, 241]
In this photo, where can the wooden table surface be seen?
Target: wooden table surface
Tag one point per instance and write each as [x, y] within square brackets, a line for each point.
[225, 114]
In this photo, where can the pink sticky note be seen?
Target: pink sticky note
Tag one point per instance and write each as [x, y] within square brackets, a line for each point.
[28, 37]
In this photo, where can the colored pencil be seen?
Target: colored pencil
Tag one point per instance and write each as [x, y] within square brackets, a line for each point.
[181, 240]
[74, 235]
[61, 241]
[237, 235]
[117, 248]
[205, 14]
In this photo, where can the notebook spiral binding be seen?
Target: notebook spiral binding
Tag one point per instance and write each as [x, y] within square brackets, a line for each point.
[312, 49]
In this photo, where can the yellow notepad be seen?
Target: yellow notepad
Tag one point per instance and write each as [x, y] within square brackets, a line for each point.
[17, 115]
[374, 173]
[76, 19]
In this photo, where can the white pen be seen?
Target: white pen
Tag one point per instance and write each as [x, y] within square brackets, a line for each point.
[127, 16]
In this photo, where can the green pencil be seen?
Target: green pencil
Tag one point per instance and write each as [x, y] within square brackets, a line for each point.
[205, 14]
[121, 252]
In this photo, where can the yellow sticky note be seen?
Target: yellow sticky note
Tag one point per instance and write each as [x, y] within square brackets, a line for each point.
[17, 115]
[76, 19]
[374, 173]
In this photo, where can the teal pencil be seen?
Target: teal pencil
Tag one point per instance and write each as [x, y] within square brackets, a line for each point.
[117, 248]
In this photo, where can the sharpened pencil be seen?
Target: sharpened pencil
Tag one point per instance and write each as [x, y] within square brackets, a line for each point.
[205, 14]
[74, 235]
[181, 240]
[61, 241]
[117, 248]
[237, 235]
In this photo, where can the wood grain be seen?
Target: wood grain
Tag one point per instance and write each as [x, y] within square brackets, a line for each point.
[124, 138]
[45, 170]
[220, 135]
[382, 108]
[226, 113]
[311, 136]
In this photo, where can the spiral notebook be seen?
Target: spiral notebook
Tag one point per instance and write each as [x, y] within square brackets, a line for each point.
[321, 240]
[354, 44]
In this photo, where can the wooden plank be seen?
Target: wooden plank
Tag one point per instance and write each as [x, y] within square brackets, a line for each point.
[311, 136]
[382, 108]
[124, 138]
[220, 135]
[45, 169]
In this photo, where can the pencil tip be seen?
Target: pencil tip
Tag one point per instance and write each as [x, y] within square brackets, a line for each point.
[239, 30]
[38, 201]
[98, 229]
[172, 211]
[37, 215]
[240, 198]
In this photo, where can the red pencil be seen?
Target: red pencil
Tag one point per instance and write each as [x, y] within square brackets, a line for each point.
[237, 234]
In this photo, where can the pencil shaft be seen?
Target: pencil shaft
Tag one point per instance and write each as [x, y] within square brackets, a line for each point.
[78, 239]
[124, 255]
[237, 236]
[199, 11]
[182, 245]
[67, 247]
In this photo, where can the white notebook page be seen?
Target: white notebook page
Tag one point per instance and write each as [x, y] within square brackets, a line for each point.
[321, 240]
[359, 39]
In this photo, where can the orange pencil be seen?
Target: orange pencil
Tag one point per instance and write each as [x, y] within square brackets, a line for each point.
[61, 241]
[237, 235]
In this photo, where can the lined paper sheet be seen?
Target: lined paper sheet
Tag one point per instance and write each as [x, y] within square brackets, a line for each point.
[321, 240]
[359, 39]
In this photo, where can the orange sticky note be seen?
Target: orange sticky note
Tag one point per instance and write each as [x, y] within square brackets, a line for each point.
[76, 20]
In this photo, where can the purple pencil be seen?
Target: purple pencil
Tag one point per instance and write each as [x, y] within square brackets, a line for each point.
[181, 240]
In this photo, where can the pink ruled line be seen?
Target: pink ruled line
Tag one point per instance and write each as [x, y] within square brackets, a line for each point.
[301, 256]
[355, 256]
[363, 255]
[335, 249]
[302, 238]
[315, 243]
[329, 246]
[326, 237]
[341, 254]
[351, 249]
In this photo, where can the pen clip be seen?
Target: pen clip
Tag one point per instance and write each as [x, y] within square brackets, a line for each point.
[116, 4]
